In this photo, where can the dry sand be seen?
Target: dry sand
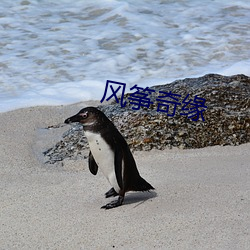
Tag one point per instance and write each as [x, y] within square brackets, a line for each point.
[201, 201]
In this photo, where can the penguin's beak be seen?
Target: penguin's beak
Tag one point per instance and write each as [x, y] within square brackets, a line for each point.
[74, 118]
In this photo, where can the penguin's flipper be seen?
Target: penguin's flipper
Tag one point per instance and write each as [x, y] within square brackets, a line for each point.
[93, 167]
[111, 193]
[118, 166]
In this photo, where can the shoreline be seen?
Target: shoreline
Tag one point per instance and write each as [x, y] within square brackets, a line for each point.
[201, 197]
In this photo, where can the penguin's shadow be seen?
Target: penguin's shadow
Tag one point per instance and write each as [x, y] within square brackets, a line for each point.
[137, 198]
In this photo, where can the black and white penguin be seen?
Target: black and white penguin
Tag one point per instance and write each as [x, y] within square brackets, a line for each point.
[110, 152]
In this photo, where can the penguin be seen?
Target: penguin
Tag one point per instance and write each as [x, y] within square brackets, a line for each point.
[110, 152]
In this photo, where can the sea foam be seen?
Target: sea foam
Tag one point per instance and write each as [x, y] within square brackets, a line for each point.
[62, 52]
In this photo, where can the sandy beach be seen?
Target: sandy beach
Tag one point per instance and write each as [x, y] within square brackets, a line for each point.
[201, 198]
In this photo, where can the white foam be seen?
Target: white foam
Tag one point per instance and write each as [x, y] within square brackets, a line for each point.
[242, 67]
[61, 52]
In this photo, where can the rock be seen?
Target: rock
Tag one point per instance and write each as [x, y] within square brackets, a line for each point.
[227, 119]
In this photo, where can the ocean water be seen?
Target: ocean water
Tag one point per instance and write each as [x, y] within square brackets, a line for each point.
[61, 52]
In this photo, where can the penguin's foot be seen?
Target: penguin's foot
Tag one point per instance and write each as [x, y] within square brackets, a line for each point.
[111, 193]
[113, 204]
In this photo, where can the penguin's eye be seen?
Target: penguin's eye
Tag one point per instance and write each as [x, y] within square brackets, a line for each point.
[84, 115]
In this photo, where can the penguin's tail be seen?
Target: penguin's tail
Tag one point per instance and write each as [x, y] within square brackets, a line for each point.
[141, 185]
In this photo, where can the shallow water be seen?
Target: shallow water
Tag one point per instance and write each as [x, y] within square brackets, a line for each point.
[63, 52]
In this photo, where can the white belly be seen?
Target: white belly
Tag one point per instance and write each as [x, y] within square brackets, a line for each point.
[104, 157]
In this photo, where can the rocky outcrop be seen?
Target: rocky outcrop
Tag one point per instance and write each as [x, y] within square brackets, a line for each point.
[226, 118]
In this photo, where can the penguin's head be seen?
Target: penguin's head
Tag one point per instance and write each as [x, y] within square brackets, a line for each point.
[88, 117]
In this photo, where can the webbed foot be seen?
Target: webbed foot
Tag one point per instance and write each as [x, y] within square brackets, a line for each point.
[111, 193]
[113, 204]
